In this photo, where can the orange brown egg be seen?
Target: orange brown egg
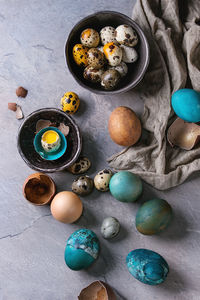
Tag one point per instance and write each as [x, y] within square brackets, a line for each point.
[113, 53]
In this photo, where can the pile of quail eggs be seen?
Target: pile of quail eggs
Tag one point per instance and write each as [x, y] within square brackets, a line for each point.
[105, 55]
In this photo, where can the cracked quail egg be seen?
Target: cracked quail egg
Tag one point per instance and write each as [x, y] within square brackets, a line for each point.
[80, 166]
[83, 185]
[95, 58]
[107, 35]
[110, 79]
[92, 74]
[110, 227]
[121, 68]
[90, 38]
[129, 55]
[70, 102]
[80, 55]
[102, 179]
[125, 35]
[113, 53]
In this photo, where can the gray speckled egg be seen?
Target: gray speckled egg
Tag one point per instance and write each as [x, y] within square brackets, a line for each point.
[102, 179]
[121, 68]
[92, 74]
[110, 79]
[107, 35]
[80, 166]
[110, 227]
[125, 35]
[90, 38]
[83, 185]
[129, 55]
[95, 58]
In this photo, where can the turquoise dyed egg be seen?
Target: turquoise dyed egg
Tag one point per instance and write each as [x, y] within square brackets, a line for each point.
[82, 249]
[147, 266]
[186, 104]
[125, 186]
[153, 216]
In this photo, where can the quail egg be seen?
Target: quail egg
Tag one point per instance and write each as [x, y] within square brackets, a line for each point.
[70, 102]
[80, 55]
[110, 227]
[102, 179]
[113, 53]
[83, 185]
[107, 35]
[80, 166]
[110, 79]
[90, 38]
[92, 74]
[95, 58]
[125, 35]
[121, 68]
[129, 55]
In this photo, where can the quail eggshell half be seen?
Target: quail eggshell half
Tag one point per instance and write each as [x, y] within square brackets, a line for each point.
[121, 68]
[113, 53]
[92, 74]
[66, 207]
[97, 290]
[82, 249]
[90, 38]
[110, 79]
[102, 179]
[125, 35]
[147, 266]
[129, 55]
[110, 227]
[80, 55]
[95, 58]
[107, 35]
[83, 185]
[80, 166]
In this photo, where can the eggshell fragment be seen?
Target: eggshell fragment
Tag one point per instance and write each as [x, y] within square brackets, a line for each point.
[42, 124]
[97, 290]
[12, 106]
[21, 92]
[19, 113]
[184, 135]
[64, 129]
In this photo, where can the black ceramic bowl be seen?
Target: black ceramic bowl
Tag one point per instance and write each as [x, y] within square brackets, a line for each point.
[26, 136]
[97, 21]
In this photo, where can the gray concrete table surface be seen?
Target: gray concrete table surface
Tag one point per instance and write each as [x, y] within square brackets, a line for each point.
[32, 243]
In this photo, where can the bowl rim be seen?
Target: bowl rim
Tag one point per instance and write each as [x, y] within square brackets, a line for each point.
[55, 169]
[117, 91]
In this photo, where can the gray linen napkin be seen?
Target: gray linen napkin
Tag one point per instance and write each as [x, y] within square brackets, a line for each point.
[173, 31]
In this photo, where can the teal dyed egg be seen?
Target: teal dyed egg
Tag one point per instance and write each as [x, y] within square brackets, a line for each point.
[82, 249]
[147, 266]
[186, 105]
[125, 186]
[153, 216]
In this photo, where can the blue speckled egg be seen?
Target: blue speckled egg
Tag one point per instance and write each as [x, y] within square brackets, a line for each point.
[82, 249]
[125, 186]
[147, 266]
[186, 104]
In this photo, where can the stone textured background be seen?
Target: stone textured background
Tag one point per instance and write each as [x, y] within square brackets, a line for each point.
[32, 39]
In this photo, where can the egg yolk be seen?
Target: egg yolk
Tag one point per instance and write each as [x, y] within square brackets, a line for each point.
[50, 137]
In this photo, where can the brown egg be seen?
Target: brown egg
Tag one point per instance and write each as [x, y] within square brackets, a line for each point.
[97, 290]
[66, 207]
[124, 126]
[39, 189]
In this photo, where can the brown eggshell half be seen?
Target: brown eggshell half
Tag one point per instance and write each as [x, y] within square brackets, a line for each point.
[39, 189]
[66, 207]
[183, 134]
[124, 126]
[97, 290]
[42, 124]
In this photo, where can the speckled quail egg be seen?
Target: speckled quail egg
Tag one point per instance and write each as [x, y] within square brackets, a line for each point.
[110, 227]
[90, 38]
[110, 79]
[80, 166]
[113, 53]
[83, 185]
[92, 74]
[102, 179]
[80, 55]
[125, 35]
[70, 102]
[129, 55]
[121, 68]
[107, 35]
[95, 58]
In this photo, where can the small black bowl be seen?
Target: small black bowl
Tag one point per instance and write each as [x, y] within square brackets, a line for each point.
[97, 21]
[26, 137]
